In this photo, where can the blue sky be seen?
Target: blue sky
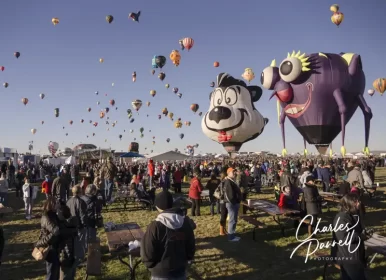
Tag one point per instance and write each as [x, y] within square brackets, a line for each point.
[62, 62]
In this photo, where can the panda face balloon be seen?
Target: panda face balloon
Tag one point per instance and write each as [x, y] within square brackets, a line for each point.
[232, 118]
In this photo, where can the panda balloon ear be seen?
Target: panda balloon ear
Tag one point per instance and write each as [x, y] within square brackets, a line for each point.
[256, 92]
[210, 95]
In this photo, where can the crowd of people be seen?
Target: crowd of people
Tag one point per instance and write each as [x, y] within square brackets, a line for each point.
[73, 205]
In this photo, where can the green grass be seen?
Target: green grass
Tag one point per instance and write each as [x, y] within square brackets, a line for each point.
[216, 258]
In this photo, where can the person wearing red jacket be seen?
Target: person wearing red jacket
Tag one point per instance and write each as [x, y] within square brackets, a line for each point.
[150, 172]
[177, 179]
[47, 186]
[195, 193]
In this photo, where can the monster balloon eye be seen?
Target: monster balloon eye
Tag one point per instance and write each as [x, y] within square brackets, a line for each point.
[292, 67]
[230, 97]
[217, 98]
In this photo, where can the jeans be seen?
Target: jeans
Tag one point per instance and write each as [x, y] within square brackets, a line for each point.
[326, 186]
[109, 184]
[233, 211]
[177, 187]
[3, 198]
[169, 278]
[68, 272]
[19, 191]
[80, 245]
[258, 185]
[28, 204]
[214, 202]
[53, 268]
[195, 207]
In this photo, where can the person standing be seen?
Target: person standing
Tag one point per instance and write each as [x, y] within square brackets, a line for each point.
[78, 209]
[61, 188]
[223, 208]
[3, 189]
[195, 193]
[94, 209]
[29, 195]
[168, 245]
[150, 172]
[233, 199]
[19, 183]
[177, 179]
[212, 185]
[312, 201]
[257, 178]
[47, 186]
[109, 172]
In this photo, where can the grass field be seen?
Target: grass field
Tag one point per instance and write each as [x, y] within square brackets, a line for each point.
[216, 258]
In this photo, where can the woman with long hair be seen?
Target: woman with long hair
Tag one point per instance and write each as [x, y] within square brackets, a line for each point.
[351, 258]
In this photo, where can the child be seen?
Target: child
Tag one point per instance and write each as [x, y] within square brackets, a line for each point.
[29, 195]
[285, 199]
[357, 190]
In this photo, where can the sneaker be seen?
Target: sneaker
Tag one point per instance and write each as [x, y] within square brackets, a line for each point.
[32, 216]
[235, 239]
[28, 218]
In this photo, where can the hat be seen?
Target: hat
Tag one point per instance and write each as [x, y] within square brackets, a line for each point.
[229, 170]
[310, 178]
[164, 200]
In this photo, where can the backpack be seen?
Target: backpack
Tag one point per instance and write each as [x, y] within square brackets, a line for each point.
[219, 192]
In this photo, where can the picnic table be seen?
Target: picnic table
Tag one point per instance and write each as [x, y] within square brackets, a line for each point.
[124, 197]
[333, 197]
[377, 244]
[272, 209]
[118, 239]
[5, 210]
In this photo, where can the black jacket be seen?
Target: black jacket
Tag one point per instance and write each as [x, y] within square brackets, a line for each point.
[344, 188]
[312, 199]
[78, 209]
[61, 188]
[2, 242]
[49, 234]
[68, 230]
[93, 210]
[232, 192]
[168, 244]
[353, 255]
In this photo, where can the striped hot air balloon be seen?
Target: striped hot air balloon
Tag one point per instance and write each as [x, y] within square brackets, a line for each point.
[188, 43]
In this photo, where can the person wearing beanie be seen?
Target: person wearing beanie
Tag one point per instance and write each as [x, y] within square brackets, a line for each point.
[168, 245]
[195, 193]
[312, 202]
[232, 198]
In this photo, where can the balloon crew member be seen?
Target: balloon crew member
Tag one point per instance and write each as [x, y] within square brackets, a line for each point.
[312, 201]
[232, 197]
[195, 193]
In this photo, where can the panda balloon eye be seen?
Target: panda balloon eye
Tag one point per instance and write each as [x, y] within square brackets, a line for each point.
[290, 69]
[217, 98]
[230, 97]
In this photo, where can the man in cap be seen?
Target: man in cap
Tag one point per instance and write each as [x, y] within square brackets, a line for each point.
[169, 243]
[109, 172]
[232, 199]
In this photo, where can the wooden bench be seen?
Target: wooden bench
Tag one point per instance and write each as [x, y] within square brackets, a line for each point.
[94, 256]
[254, 222]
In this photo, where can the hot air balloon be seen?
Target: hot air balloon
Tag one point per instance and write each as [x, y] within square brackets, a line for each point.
[159, 117]
[132, 120]
[90, 121]
[24, 101]
[137, 104]
[134, 76]
[131, 130]
[188, 43]
[42, 95]
[175, 90]
[63, 127]
[141, 129]
[82, 120]
[2, 68]
[212, 84]
[153, 92]
[5, 84]
[101, 114]
[53, 147]
[120, 136]
[153, 142]
[107, 109]
[200, 114]
[88, 109]
[167, 85]
[339, 78]
[148, 104]
[109, 18]
[55, 21]
[17, 54]
[337, 18]
[135, 16]
[178, 124]
[171, 115]
[112, 102]
[66, 134]
[161, 76]
[371, 92]
[42, 122]
[71, 122]
[93, 134]
[165, 111]
[334, 8]
[101, 60]
[248, 75]
[168, 140]
[380, 85]
[216, 64]
[112, 84]
[194, 107]
[113, 124]
[175, 57]
[152, 72]
[98, 103]
[33, 130]
[181, 43]
[160, 61]
[179, 95]
[97, 92]
[181, 135]
[56, 112]
[188, 123]
[95, 124]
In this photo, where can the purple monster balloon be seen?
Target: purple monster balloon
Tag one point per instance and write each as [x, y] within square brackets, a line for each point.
[319, 92]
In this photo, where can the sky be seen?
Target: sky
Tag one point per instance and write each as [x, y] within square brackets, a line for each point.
[62, 62]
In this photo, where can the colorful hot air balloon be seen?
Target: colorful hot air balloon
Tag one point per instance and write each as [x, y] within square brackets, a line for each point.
[132, 120]
[175, 57]
[70, 122]
[153, 92]
[337, 18]
[334, 8]
[112, 102]
[42, 122]
[56, 112]
[5, 84]
[165, 111]
[98, 103]
[181, 43]
[194, 107]
[216, 64]
[82, 120]
[42, 95]
[55, 21]
[160, 61]
[380, 85]
[152, 72]
[120, 136]
[212, 84]
[171, 115]
[53, 147]
[17, 54]
[159, 117]
[95, 124]
[161, 76]
[181, 135]
[167, 85]
[371, 92]
[88, 109]
[178, 123]
[148, 103]
[109, 18]
[175, 90]
[2, 68]
[134, 76]
[33, 130]
[248, 75]
[24, 101]
[101, 114]
[101, 60]
[188, 43]
[137, 104]
[135, 16]
[179, 94]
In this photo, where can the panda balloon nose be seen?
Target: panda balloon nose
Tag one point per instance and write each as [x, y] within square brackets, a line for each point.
[219, 113]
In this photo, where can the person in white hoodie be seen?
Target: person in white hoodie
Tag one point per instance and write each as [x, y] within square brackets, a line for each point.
[304, 176]
[29, 195]
[3, 189]
[366, 179]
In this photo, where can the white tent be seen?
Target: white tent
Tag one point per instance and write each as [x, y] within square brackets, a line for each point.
[70, 160]
[171, 155]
